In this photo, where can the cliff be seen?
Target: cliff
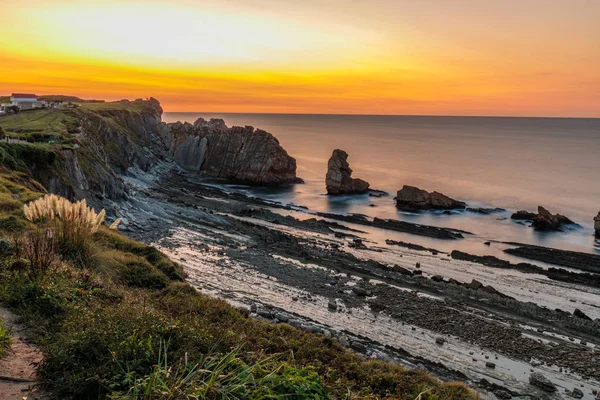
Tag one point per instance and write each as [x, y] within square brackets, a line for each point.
[85, 152]
[240, 154]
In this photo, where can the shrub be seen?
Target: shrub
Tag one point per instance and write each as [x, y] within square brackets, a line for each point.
[72, 223]
[38, 247]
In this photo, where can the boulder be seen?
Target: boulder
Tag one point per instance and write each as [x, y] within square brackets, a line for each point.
[577, 393]
[238, 154]
[580, 314]
[597, 225]
[411, 198]
[544, 220]
[540, 381]
[339, 179]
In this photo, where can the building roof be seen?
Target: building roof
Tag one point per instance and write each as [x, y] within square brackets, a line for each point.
[24, 96]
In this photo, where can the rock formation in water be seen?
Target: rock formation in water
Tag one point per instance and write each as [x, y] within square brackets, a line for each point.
[544, 220]
[239, 154]
[411, 198]
[339, 176]
[597, 225]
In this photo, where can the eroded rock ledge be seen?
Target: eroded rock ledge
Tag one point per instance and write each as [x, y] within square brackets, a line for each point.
[239, 154]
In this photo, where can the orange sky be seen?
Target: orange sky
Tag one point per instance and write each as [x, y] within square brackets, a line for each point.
[459, 57]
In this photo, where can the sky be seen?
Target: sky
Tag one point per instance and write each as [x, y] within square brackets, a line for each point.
[432, 57]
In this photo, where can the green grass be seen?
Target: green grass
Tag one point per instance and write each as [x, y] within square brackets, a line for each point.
[44, 122]
[4, 339]
[113, 105]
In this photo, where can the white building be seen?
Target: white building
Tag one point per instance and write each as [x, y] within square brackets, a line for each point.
[25, 101]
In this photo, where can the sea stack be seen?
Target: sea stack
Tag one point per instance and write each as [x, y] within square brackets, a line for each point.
[597, 225]
[412, 198]
[339, 176]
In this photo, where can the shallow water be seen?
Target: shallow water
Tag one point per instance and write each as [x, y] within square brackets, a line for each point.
[513, 163]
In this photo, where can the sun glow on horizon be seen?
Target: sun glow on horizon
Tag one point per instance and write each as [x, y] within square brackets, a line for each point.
[393, 57]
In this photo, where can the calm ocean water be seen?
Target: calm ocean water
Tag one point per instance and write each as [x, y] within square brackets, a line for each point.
[513, 163]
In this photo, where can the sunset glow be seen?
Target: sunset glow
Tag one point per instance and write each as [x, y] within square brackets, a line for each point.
[382, 57]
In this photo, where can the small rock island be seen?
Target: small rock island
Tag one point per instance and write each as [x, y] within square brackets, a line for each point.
[339, 179]
[544, 220]
[411, 198]
[597, 225]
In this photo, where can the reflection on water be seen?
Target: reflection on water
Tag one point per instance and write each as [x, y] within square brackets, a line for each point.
[514, 163]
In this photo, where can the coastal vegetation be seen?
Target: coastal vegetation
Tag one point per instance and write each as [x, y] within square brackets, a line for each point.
[116, 319]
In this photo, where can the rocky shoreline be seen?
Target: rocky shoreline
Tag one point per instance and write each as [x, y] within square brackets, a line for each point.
[345, 274]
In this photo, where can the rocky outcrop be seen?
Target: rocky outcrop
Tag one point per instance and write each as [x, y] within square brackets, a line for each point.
[540, 381]
[108, 143]
[544, 220]
[597, 225]
[239, 154]
[411, 198]
[339, 176]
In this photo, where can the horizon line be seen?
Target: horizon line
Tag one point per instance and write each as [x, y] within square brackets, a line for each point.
[381, 115]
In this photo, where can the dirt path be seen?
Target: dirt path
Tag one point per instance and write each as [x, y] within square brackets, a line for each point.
[18, 367]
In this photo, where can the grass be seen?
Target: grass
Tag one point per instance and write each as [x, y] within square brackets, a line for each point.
[113, 105]
[42, 123]
[4, 339]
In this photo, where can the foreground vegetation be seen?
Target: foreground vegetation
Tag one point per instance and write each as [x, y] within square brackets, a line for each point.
[115, 319]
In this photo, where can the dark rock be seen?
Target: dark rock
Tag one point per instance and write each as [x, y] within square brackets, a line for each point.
[540, 381]
[240, 154]
[437, 278]
[332, 305]
[410, 246]
[359, 291]
[544, 220]
[597, 225]
[523, 215]
[490, 364]
[486, 211]
[475, 285]
[577, 393]
[580, 314]
[573, 259]
[402, 270]
[339, 176]
[440, 340]
[503, 394]
[377, 193]
[411, 198]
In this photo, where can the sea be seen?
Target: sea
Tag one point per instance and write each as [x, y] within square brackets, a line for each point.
[508, 162]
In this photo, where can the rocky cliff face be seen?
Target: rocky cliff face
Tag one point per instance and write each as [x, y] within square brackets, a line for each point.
[109, 143]
[597, 225]
[240, 154]
[339, 176]
[414, 199]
